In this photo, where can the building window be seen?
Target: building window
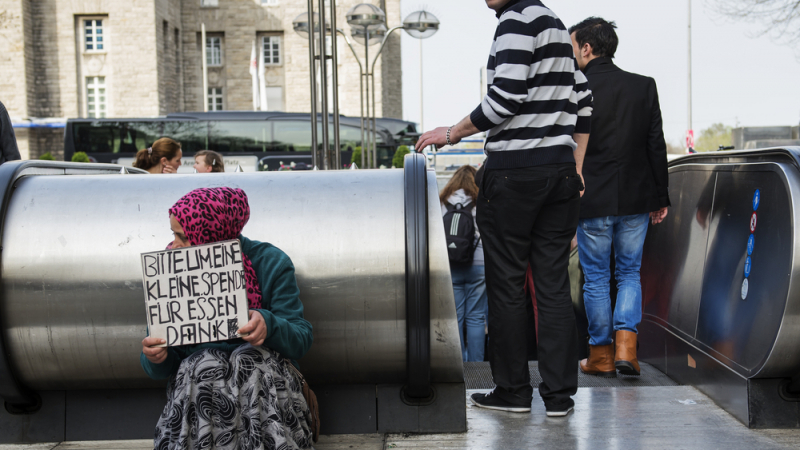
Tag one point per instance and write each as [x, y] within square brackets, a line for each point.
[214, 51]
[269, 2]
[93, 35]
[96, 97]
[209, 3]
[215, 99]
[271, 46]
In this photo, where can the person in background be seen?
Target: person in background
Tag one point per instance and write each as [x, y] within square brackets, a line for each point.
[206, 161]
[163, 157]
[627, 183]
[469, 286]
[8, 142]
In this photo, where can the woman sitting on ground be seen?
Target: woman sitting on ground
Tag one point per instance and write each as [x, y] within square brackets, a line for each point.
[469, 286]
[206, 161]
[163, 157]
[241, 393]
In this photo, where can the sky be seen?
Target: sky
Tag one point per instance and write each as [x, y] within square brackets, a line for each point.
[739, 77]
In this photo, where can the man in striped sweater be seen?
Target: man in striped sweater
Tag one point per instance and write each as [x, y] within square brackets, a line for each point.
[537, 118]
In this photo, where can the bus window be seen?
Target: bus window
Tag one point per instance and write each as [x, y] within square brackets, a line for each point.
[239, 136]
[350, 138]
[94, 137]
[295, 136]
[131, 137]
[291, 136]
[193, 135]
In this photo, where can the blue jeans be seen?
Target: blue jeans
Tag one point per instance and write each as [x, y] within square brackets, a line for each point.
[469, 288]
[595, 238]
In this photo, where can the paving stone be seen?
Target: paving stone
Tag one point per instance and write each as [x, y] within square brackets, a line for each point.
[652, 418]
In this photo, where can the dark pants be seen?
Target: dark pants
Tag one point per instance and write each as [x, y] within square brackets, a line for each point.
[530, 215]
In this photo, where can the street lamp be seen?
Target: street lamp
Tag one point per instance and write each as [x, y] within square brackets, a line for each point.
[303, 25]
[365, 15]
[368, 26]
[366, 20]
[419, 25]
[359, 36]
[373, 34]
[376, 34]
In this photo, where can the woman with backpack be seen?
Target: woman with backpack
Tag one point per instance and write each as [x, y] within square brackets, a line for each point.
[466, 259]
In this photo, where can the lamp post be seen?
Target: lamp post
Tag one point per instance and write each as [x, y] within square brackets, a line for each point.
[305, 26]
[369, 36]
[367, 28]
[360, 89]
[419, 25]
[365, 21]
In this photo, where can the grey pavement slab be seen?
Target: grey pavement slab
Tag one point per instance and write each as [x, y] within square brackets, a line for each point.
[145, 444]
[351, 442]
[478, 375]
[652, 418]
[625, 418]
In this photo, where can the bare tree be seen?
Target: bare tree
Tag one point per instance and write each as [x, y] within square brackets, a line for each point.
[780, 19]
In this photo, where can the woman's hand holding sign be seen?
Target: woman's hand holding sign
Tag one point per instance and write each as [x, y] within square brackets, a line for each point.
[155, 354]
[255, 330]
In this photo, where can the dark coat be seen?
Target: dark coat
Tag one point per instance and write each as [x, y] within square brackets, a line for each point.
[8, 142]
[625, 168]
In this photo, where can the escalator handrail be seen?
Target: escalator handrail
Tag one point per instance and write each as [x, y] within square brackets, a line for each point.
[777, 154]
[418, 312]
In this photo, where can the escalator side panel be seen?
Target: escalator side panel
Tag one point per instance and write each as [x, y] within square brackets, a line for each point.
[674, 252]
[739, 320]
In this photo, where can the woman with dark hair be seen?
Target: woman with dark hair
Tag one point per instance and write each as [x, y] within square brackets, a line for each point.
[241, 393]
[163, 157]
[469, 286]
[206, 161]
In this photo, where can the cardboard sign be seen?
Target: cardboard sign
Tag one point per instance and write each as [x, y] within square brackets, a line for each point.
[195, 294]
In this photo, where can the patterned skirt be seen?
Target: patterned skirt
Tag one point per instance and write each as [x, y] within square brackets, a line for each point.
[247, 399]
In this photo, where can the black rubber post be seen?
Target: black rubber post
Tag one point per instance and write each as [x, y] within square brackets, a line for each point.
[418, 311]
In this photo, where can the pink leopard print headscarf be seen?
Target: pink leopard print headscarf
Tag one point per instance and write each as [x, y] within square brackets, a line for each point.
[218, 214]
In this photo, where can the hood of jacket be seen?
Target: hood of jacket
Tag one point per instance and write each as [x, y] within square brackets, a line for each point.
[460, 196]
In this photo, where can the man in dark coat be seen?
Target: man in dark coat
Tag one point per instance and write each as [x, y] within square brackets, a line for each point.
[625, 173]
[8, 142]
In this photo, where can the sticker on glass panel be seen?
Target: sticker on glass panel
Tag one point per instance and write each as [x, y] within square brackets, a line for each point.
[756, 199]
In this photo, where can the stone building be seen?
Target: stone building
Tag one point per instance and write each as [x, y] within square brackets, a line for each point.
[142, 58]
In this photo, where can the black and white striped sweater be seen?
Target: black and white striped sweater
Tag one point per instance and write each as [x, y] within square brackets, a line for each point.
[537, 97]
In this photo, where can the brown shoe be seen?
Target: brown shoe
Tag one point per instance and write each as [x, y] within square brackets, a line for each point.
[600, 362]
[625, 359]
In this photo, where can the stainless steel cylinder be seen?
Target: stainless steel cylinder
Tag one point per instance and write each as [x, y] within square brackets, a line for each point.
[73, 313]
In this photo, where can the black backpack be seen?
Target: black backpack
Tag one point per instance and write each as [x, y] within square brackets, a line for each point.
[459, 229]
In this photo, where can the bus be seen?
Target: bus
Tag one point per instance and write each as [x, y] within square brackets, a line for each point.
[253, 140]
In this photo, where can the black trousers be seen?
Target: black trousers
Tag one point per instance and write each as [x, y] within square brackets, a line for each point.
[530, 215]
